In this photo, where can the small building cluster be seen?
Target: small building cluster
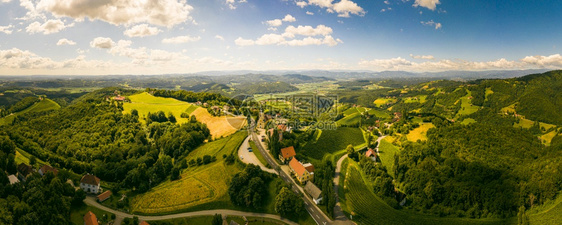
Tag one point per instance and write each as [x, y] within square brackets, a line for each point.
[287, 154]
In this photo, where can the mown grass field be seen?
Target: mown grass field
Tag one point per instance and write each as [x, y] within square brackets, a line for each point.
[387, 151]
[378, 113]
[198, 185]
[466, 106]
[419, 133]
[383, 101]
[44, 105]
[219, 126]
[367, 208]
[546, 138]
[331, 141]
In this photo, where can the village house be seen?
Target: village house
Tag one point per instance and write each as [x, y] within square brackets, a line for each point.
[287, 154]
[46, 168]
[90, 218]
[300, 171]
[119, 98]
[314, 192]
[371, 154]
[90, 184]
[24, 171]
[144, 223]
[104, 196]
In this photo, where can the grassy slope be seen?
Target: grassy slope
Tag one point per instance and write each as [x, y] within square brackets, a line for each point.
[207, 184]
[44, 105]
[420, 132]
[466, 105]
[387, 151]
[331, 141]
[350, 119]
[382, 101]
[258, 154]
[548, 213]
[370, 209]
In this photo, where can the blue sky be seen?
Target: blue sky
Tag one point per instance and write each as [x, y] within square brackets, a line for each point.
[177, 36]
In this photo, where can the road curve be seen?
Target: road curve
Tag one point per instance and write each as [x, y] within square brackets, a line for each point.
[250, 157]
[92, 202]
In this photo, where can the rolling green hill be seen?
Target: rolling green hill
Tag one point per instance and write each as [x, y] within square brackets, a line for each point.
[41, 106]
[331, 141]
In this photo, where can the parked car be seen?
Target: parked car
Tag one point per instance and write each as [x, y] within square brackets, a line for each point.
[249, 149]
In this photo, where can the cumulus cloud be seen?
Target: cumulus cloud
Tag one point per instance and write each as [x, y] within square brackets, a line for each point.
[431, 23]
[65, 41]
[289, 18]
[343, 8]
[429, 4]
[219, 37]
[102, 42]
[232, 4]
[180, 40]
[309, 13]
[118, 12]
[289, 37]
[279, 22]
[6, 29]
[5, 1]
[430, 57]
[141, 30]
[49, 27]
[544, 61]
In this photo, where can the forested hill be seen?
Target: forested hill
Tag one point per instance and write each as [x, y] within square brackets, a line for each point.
[537, 97]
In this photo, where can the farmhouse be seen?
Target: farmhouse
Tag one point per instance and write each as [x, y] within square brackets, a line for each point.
[143, 223]
[24, 171]
[90, 218]
[104, 196]
[46, 168]
[371, 154]
[314, 192]
[90, 184]
[287, 154]
[13, 179]
[300, 171]
[119, 98]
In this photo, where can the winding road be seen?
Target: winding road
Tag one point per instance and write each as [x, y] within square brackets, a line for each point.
[91, 201]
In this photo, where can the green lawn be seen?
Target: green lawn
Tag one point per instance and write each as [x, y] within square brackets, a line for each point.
[379, 113]
[387, 151]
[77, 214]
[258, 154]
[419, 98]
[367, 208]
[331, 141]
[466, 105]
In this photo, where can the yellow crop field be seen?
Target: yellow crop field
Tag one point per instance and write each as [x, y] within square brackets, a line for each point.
[420, 133]
[219, 126]
[382, 101]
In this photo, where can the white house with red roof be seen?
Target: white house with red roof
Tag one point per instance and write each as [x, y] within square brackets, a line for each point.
[90, 184]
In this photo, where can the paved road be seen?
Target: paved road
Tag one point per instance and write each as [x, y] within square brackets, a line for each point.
[250, 158]
[92, 202]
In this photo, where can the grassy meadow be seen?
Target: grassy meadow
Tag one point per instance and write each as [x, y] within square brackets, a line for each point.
[387, 151]
[419, 133]
[331, 141]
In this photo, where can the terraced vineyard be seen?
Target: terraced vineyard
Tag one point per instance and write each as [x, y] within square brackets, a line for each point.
[331, 141]
[367, 208]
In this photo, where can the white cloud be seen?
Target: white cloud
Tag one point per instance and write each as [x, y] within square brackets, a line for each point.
[219, 37]
[291, 31]
[301, 4]
[544, 61]
[431, 23]
[430, 4]
[6, 29]
[141, 30]
[387, 2]
[232, 4]
[343, 8]
[289, 18]
[102, 42]
[288, 37]
[274, 23]
[163, 12]
[387, 9]
[180, 40]
[65, 41]
[430, 57]
[309, 13]
[5, 1]
[49, 27]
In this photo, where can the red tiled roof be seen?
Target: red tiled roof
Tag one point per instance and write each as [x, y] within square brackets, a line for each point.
[90, 218]
[46, 168]
[90, 179]
[309, 168]
[370, 153]
[288, 152]
[282, 127]
[25, 169]
[144, 223]
[104, 196]
[297, 167]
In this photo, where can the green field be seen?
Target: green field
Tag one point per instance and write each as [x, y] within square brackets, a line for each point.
[468, 121]
[331, 141]
[419, 98]
[354, 110]
[546, 138]
[349, 120]
[383, 101]
[387, 151]
[44, 105]
[145, 103]
[378, 113]
[207, 184]
[367, 208]
[466, 105]
[420, 133]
